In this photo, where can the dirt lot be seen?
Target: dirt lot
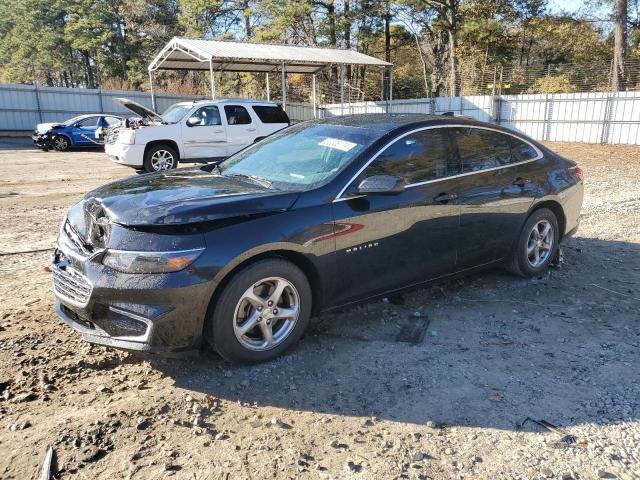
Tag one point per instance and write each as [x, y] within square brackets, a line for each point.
[359, 397]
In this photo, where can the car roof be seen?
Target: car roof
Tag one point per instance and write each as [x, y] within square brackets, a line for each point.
[383, 123]
[240, 101]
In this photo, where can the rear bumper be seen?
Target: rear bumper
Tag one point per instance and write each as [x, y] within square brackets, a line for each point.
[131, 155]
[571, 201]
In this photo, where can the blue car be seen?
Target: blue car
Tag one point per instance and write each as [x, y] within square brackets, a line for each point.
[81, 131]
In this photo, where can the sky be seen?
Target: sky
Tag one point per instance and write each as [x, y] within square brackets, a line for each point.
[572, 6]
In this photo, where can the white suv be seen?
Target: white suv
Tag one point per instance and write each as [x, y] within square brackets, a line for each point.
[191, 131]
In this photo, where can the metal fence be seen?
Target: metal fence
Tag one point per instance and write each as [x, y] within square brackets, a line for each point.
[24, 106]
[596, 117]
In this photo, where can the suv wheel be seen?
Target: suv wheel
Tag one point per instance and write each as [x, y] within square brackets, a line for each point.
[537, 244]
[262, 311]
[61, 143]
[160, 158]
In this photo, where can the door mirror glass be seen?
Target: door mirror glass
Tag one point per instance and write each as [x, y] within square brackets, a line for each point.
[193, 121]
[382, 184]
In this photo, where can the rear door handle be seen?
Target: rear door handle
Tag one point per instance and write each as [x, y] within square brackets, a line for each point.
[218, 131]
[521, 181]
[251, 129]
[445, 197]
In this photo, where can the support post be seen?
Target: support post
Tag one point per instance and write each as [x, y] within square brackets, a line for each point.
[268, 88]
[213, 80]
[284, 87]
[153, 95]
[38, 106]
[390, 87]
[341, 89]
[313, 94]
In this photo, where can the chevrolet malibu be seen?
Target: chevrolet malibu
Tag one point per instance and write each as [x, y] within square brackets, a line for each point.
[316, 217]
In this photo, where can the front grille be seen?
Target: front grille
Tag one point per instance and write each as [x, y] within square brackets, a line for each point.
[71, 285]
[112, 136]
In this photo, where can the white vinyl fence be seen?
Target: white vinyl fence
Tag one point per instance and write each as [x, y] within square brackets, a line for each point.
[600, 117]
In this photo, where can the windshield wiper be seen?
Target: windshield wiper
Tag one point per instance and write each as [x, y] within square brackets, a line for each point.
[259, 180]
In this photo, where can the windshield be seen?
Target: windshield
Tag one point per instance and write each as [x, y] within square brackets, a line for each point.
[174, 113]
[301, 156]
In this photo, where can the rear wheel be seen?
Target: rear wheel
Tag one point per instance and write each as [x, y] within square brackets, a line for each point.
[537, 244]
[160, 158]
[61, 143]
[262, 311]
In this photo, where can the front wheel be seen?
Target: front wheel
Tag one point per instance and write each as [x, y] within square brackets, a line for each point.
[262, 311]
[61, 143]
[537, 244]
[160, 158]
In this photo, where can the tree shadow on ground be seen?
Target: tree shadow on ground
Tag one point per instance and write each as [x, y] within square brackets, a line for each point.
[497, 349]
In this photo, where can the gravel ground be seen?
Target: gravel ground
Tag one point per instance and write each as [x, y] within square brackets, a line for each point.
[487, 377]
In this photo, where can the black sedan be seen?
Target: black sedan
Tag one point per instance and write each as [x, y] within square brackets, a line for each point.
[319, 216]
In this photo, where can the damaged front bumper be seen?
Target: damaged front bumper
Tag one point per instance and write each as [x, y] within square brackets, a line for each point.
[42, 140]
[159, 313]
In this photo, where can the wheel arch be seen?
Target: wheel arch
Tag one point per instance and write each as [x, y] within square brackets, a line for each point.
[170, 143]
[299, 259]
[557, 210]
[66, 135]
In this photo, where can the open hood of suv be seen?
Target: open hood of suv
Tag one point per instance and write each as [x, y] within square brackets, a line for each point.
[138, 109]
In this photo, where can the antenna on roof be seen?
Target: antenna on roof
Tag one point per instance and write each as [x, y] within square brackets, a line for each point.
[447, 114]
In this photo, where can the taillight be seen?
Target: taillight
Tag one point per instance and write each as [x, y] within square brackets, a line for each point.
[578, 172]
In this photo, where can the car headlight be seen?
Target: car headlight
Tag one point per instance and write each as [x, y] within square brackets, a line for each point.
[150, 262]
[127, 136]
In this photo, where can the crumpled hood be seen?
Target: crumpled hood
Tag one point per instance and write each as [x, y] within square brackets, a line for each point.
[185, 196]
[45, 127]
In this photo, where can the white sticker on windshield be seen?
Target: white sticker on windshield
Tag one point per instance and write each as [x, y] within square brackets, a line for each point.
[337, 144]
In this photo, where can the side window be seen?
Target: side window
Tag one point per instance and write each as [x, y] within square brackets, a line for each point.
[111, 121]
[208, 116]
[237, 115]
[417, 158]
[88, 122]
[480, 149]
[522, 151]
[270, 114]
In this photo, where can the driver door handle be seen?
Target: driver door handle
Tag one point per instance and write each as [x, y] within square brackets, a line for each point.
[445, 197]
[251, 129]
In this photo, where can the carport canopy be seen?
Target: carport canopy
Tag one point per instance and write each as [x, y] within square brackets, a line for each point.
[231, 56]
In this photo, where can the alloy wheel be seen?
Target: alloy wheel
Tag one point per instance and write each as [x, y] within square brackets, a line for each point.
[162, 160]
[540, 243]
[266, 314]
[60, 143]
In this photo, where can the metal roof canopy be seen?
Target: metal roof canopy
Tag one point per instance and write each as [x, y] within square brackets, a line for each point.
[231, 56]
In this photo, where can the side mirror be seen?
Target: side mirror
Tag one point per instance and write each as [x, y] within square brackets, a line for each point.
[382, 184]
[193, 121]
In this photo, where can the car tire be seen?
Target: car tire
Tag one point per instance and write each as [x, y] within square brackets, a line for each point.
[229, 330]
[160, 158]
[533, 251]
[61, 143]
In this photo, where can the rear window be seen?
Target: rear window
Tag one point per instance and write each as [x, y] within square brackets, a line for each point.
[522, 151]
[480, 149]
[237, 115]
[271, 114]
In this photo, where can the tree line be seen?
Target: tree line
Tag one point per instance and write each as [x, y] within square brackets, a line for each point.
[435, 45]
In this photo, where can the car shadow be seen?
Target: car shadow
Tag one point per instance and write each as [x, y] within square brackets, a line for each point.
[489, 350]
